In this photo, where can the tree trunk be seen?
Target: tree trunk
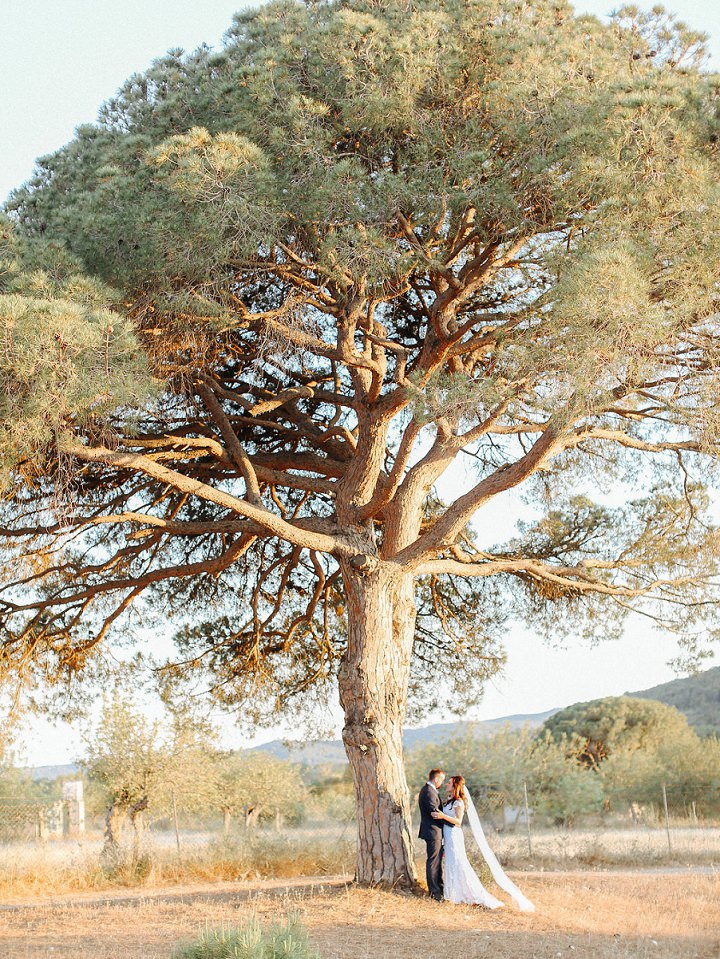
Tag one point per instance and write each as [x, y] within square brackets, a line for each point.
[114, 819]
[227, 816]
[373, 684]
[138, 824]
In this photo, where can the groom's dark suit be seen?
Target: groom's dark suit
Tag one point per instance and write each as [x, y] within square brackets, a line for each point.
[431, 832]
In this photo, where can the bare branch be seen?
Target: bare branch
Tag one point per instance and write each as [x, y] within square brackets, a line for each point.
[263, 517]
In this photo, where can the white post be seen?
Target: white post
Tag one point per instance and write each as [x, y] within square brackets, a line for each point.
[72, 794]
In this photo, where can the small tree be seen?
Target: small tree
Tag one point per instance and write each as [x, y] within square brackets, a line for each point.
[559, 787]
[498, 767]
[190, 772]
[139, 764]
[688, 766]
[124, 757]
[254, 784]
[14, 782]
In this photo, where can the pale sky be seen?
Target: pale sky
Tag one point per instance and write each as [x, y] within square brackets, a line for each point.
[59, 60]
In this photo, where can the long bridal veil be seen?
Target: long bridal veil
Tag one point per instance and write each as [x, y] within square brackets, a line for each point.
[522, 902]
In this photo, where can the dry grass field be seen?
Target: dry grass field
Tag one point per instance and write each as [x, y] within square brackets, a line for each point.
[556, 848]
[610, 915]
[57, 903]
[55, 868]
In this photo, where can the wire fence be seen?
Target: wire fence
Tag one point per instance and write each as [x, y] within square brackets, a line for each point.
[665, 811]
[22, 820]
[520, 829]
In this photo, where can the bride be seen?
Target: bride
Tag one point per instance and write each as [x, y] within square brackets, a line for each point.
[461, 883]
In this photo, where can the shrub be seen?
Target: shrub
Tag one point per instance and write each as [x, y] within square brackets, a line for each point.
[280, 941]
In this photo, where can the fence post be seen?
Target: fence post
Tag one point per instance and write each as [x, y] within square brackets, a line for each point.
[527, 819]
[41, 824]
[74, 818]
[175, 820]
[667, 818]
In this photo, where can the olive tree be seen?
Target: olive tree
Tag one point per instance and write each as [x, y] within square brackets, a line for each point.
[140, 766]
[255, 785]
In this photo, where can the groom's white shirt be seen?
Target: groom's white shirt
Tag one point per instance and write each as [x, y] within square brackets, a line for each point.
[432, 785]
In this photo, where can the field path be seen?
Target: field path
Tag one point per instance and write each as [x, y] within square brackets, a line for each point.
[580, 915]
[307, 885]
[218, 891]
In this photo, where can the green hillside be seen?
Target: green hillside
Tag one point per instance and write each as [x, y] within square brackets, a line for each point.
[696, 696]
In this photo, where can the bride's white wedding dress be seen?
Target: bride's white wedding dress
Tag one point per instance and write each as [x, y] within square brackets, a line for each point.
[461, 883]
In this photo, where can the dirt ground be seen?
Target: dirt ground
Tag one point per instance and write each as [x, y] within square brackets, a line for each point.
[589, 915]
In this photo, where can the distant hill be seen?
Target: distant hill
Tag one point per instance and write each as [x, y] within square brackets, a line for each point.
[441, 732]
[697, 696]
[64, 771]
[317, 752]
[327, 752]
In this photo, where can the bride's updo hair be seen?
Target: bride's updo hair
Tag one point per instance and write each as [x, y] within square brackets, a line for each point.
[458, 789]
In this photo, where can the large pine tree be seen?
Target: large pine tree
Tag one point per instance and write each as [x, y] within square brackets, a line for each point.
[254, 314]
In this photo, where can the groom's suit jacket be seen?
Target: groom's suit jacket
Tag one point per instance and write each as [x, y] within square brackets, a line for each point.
[429, 802]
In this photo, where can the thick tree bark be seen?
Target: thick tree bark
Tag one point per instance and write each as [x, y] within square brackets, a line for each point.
[373, 693]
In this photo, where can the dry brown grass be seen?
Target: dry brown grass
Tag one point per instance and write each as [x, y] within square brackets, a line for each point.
[604, 846]
[59, 867]
[56, 868]
[583, 915]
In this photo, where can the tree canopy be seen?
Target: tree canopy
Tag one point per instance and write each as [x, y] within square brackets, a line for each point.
[354, 227]
[254, 314]
[603, 726]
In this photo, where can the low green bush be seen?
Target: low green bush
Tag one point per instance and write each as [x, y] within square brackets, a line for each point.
[279, 941]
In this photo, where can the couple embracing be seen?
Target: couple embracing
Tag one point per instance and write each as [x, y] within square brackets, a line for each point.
[441, 828]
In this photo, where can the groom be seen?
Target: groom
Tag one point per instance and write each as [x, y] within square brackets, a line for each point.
[431, 831]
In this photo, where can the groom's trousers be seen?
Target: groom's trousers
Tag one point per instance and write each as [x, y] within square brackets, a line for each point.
[434, 865]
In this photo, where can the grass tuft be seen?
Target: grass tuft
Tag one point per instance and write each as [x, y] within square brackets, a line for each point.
[287, 940]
